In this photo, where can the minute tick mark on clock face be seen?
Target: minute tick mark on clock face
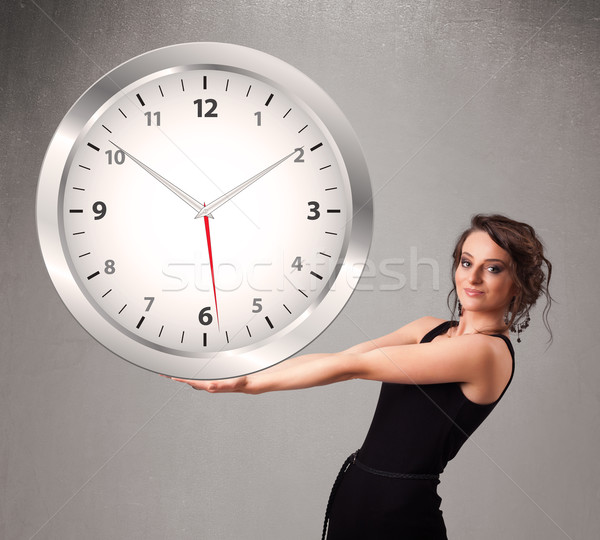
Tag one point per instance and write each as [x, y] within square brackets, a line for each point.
[93, 146]
[140, 100]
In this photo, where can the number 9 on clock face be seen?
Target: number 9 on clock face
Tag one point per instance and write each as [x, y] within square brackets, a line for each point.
[204, 210]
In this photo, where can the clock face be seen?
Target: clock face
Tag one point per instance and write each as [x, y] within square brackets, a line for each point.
[204, 210]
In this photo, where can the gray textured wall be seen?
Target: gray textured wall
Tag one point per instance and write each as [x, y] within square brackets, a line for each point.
[461, 107]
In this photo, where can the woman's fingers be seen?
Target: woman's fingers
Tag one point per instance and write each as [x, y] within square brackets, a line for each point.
[227, 385]
[196, 385]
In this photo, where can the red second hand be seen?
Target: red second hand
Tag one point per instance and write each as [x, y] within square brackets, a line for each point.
[212, 270]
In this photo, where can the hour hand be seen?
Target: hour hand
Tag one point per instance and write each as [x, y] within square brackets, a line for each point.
[172, 187]
[206, 210]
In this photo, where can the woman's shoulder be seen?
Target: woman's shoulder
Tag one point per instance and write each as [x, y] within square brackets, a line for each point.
[419, 328]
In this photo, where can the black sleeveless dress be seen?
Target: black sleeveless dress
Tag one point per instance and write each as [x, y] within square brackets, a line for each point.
[415, 430]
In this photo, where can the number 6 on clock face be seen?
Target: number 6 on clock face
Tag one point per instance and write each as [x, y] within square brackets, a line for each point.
[204, 210]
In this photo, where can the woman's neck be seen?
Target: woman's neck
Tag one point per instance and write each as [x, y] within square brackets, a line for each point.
[473, 322]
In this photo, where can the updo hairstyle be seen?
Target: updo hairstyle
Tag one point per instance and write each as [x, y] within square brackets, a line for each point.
[529, 268]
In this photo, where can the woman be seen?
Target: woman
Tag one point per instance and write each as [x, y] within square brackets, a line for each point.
[440, 378]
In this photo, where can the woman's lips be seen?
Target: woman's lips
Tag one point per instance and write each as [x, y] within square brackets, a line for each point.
[473, 292]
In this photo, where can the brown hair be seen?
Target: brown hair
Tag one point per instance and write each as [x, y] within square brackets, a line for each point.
[526, 266]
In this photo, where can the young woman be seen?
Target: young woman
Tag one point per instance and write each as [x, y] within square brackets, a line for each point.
[440, 378]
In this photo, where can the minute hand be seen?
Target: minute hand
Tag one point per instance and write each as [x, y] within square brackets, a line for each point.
[238, 189]
[179, 192]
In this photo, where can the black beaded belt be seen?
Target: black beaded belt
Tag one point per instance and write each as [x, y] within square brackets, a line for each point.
[408, 476]
[352, 460]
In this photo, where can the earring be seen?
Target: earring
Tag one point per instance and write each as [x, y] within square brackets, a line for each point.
[459, 308]
[520, 327]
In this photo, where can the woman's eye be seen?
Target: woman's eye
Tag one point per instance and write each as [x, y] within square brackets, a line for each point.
[465, 263]
[494, 269]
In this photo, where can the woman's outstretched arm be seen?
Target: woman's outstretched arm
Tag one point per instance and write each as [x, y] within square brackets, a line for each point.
[302, 372]
[409, 333]
[468, 358]
[406, 335]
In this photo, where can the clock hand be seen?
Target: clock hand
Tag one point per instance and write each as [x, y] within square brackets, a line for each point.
[241, 187]
[180, 193]
[212, 271]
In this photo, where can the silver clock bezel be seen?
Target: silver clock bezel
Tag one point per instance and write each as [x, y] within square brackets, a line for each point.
[183, 57]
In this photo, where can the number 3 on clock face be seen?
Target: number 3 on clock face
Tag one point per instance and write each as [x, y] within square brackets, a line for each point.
[204, 210]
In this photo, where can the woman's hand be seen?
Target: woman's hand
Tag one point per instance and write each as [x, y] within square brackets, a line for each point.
[237, 384]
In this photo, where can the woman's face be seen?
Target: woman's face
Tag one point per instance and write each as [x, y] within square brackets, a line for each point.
[483, 280]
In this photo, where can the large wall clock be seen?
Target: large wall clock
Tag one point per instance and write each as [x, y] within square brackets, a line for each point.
[204, 210]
